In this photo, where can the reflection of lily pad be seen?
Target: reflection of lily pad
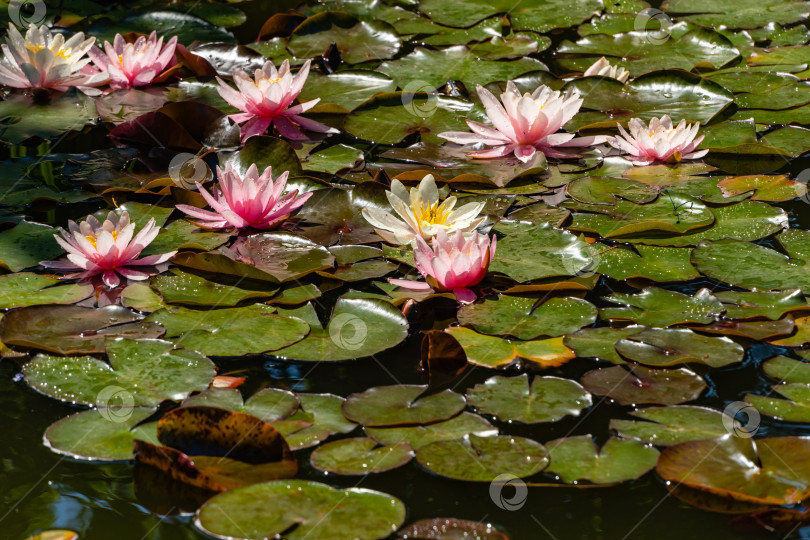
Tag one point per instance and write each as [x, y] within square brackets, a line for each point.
[547, 399]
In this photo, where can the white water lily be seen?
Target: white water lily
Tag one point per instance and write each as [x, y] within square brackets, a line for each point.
[660, 141]
[603, 68]
[48, 61]
[422, 213]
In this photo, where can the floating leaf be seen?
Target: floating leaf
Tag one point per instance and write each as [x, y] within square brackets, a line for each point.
[251, 329]
[649, 262]
[577, 458]
[483, 459]
[765, 471]
[673, 425]
[141, 372]
[265, 151]
[22, 118]
[301, 509]
[514, 316]
[738, 14]
[104, 434]
[285, 256]
[661, 307]
[606, 189]
[318, 417]
[180, 287]
[73, 329]
[26, 244]
[450, 528]
[546, 399]
[644, 385]
[360, 456]
[771, 305]
[333, 159]
[334, 216]
[28, 289]
[787, 369]
[494, 352]
[418, 436]
[765, 187]
[672, 346]
[357, 41]
[796, 408]
[358, 327]
[347, 88]
[268, 404]
[401, 405]
[599, 342]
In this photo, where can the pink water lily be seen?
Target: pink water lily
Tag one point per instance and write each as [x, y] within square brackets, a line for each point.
[47, 61]
[267, 99]
[524, 125]
[135, 64]
[453, 263]
[110, 249]
[660, 141]
[253, 201]
[603, 68]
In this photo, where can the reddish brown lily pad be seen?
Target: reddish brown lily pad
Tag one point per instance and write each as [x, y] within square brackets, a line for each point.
[639, 384]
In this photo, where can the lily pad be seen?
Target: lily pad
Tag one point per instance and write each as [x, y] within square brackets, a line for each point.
[98, 434]
[301, 509]
[787, 369]
[358, 327]
[672, 346]
[347, 88]
[145, 372]
[269, 404]
[285, 256]
[770, 305]
[765, 471]
[639, 384]
[796, 408]
[250, 329]
[577, 458]
[775, 188]
[357, 41]
[673, 425]
[26, 244]
[648, 262]
[495, 352]
[418, 436]
[180, 287]
[606, 189]
[743, 14]
[73, 329]
[360, 456]
[450, 529]
[318, 417]
[265, 151]
[22, 118]
[661, 307]
[546, 399]
[514, 316]
[28, 289]
[401, 405]
[334, 216]
[483, 459]
[599, 342]
[333, 159]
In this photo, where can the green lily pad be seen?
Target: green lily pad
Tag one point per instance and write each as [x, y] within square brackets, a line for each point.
[418, 436]
[599, 342]
[185, 26]
[295, 294]
[318, 417]
[22, 118]
[301, 509]
[180, 287]
[766, 471]
[577, 458]
[792, 139]
[606, 189]
[661, 307]
[181, 234]
[639, 384]
[334, 216]
[796, 408]
[401, 405]
[742, 14]
[773, 188]
[753, 266]
[673, 425]
[269, 404]
[546, 399]
[358, 327]
[143, 372]
[98, 434]
[389, 117]
[496, 352]
[746, 220]
[483, 459]
[26, 244]
[787, 369]
[360, 456]
[514, 316]
[142, 297]
[538, 16]
[333, 159]
[541, 213]
[673, 215]
[771, 305]
[649, 262]
[459, 63]
[347, 88]
[529, 252]
[250, 329]
[672, 346]
[357, 41]
[27, 289]
[758, 330]
[285, 256]
[265, 151]
[73, 329]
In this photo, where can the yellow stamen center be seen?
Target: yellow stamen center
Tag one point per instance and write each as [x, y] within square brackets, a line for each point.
[94, 239]
[61, 53]
[432, 214]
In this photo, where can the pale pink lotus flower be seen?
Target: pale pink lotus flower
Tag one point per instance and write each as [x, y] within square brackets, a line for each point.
[254, 201]
[604, 68]
[524, 125]
[134, 64]
[422, 212]
[453, 263]
[661, 141]
[267, 98]
[108, 249]
[47, 61]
